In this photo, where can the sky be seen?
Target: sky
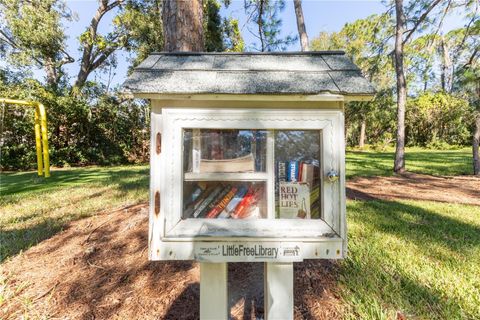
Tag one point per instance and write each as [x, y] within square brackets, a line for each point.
[320, 15]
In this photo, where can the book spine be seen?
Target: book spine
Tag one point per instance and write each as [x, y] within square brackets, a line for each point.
[196, 150]
[300, 171]
[282, 171]
[293, 171]
[241, 206]
[249, 203]
[213, 213]
[214, 201]
[207, 201]
[234, 202]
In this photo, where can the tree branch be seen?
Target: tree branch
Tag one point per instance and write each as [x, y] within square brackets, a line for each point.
[420, 20]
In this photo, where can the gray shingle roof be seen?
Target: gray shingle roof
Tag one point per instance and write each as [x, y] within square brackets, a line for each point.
[301, 73]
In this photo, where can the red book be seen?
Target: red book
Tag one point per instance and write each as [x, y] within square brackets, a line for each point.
[243, 204]
[249, 200]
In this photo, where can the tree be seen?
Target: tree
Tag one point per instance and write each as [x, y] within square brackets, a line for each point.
[212, 26]
[97, 48]
[183, 25]
[264, 15]
[419, 13]
[142, 21]
[301, 25]
[399, 164]
[363, 41]
[232, 38]
[31, 34]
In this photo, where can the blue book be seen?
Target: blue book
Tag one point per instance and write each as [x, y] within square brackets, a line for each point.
[293, 170]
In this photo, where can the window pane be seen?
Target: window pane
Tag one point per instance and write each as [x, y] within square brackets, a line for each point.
[208, 151]
[297, 181]
[224, 199]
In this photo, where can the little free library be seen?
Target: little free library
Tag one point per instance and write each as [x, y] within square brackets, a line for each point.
[247, 163]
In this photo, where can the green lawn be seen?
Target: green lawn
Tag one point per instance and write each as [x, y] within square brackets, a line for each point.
[434, 162]
[33, 209]
[420, 258]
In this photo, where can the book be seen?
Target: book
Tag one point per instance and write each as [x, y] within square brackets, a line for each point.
[307, 174]
[240, 164]
[248, 203]
[292, 171]
[281, 171]
[213, 213]
[196, 150]
[294, 200]
[216, 199]
[201, 207]
[234, 202]
[243, 203]
[188, 212]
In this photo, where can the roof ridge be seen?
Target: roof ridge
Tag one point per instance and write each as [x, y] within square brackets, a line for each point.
[278, 53]
[245, 70]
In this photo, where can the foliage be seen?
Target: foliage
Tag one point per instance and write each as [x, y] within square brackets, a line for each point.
[31, 34]
[233, 40]
[142, 21]
[88, 129]
[264, 15]
[438, 117]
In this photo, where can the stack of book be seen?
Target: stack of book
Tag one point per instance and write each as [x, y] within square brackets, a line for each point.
[225, 201]
[301, 181]
[223, 151]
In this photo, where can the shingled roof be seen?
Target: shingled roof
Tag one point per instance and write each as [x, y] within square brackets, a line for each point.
[303, 73]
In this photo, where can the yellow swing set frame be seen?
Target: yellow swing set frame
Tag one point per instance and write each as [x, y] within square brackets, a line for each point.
[41, 136]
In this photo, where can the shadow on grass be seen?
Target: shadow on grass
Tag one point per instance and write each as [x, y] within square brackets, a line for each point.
[125, 178]
[378, 280]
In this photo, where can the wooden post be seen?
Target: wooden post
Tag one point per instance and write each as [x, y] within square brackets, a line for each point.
[213, 291]
[278, 291]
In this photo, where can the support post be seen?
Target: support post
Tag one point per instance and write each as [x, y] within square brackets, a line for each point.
[213, 291]
[278, 291]
[38, 143]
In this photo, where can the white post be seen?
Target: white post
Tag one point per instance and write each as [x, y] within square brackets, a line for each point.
[213, 291]
[278, 291]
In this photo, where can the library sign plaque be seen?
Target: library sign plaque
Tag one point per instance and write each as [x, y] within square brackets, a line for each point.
[247, 163]
[251, 252]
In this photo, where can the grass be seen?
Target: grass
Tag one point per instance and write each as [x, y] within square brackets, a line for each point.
[415, 257]
[33, 209]
[433, 162]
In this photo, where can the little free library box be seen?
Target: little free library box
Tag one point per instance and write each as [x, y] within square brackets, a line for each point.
[247, 154]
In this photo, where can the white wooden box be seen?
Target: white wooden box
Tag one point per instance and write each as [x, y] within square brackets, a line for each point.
[270, 239]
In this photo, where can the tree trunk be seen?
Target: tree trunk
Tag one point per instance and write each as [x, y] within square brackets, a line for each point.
[183, 25]
[363, 128]
[446, 73]
[51, 72]
[399, 165]
[475, 146]
[301, 25]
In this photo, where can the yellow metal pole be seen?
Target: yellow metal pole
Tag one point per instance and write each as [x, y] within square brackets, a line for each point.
[41, 134]
[43, 127]
[38, 143]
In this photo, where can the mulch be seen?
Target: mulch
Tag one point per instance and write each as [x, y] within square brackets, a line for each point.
[412, 186]
[97, 268]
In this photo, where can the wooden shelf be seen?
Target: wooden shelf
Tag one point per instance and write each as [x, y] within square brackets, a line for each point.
[230, 176]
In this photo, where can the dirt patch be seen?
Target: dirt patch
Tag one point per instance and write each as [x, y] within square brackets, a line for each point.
[97, 268]
[458, 189]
